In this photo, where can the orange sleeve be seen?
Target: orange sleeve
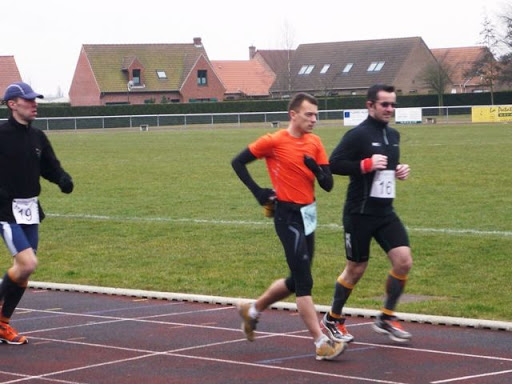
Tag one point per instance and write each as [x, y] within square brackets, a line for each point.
[321, 158]
[262, 146]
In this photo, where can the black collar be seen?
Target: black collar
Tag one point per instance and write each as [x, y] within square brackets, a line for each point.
[377, 123]
[16, 124]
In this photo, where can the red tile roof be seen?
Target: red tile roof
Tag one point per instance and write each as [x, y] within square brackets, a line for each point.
[459, 61]
[249, 77]
[9, 73]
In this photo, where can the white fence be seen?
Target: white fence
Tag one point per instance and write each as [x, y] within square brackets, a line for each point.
[459, 114]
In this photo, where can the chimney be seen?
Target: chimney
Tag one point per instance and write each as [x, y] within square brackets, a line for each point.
[252, 51]
[197, 42]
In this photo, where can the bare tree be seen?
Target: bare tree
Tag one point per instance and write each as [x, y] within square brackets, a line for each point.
[487, 68]
[288, 35]
[506, 58]
[436, 77]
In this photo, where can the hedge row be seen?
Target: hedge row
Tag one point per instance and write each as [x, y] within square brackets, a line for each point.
[340, 102]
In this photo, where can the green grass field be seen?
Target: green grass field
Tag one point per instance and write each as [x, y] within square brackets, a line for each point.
[163, 210]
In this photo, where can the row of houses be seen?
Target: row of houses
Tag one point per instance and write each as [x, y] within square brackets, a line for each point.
[183, 73]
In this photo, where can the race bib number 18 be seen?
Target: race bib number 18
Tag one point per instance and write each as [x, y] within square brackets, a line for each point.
[383, 186]
[26, 211]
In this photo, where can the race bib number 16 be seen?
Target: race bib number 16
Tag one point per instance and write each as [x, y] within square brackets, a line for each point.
[26, 211]
[383, 186]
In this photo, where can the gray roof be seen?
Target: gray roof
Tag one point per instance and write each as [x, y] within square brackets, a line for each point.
[334, 57]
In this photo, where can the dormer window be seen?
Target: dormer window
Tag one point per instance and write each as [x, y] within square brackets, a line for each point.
[134, 71]
[161, 74]
[136, 77]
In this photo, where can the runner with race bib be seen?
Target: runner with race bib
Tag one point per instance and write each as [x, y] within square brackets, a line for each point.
[26, 155]
[369, 154]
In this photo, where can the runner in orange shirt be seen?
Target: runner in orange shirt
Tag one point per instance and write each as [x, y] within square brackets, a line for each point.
[295, 157]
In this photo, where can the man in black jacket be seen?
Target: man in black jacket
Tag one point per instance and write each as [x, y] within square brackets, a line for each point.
[25, 155]
[369, 154]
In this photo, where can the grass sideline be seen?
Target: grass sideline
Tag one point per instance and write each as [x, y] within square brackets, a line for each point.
[163, 211]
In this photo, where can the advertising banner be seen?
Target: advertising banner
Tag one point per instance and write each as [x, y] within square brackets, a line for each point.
[408, 116]
[354, 116]
[496, 113]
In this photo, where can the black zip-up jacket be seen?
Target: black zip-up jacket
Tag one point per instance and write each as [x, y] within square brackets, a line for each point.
[368, 138]
[25, 155]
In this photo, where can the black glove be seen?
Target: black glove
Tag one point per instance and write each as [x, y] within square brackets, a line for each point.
[66, 183]
[322, 173]
[311, 164]
[263, 195]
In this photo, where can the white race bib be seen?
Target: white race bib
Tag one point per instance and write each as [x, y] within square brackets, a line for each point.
[25, 211]
[308, 213]
[383, 186]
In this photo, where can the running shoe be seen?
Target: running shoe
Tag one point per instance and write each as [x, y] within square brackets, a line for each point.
[329, 349]
[336, 330]
[392, 328]
[248, 323]
[10, 336]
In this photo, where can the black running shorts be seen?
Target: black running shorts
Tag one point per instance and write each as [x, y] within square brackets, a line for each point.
[387, 230]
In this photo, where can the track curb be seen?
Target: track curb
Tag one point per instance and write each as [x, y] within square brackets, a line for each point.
[352, 312]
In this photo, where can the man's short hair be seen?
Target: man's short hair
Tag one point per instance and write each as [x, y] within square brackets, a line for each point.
[297, 100]
[374, 90]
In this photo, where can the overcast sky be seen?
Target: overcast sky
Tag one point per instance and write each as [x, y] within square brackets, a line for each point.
[45, 36]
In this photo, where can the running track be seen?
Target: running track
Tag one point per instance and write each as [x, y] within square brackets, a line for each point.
[81, 334]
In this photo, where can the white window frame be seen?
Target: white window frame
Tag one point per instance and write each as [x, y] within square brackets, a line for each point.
[137, 77]
[202, 77]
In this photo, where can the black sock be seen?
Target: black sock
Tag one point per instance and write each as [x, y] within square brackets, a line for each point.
[342, 292]
[394, 288]
[12, 294]
[3, 285]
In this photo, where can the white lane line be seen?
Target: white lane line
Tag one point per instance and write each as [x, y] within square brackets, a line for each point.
[457, 379]
[174, 353]
[296, 334]
[179, 352]
[448, 231]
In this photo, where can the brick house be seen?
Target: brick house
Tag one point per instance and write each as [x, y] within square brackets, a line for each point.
[244, 79]
[144, 73]
[351, 67]
[278, 61]
[460, 64]
[9, 73]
